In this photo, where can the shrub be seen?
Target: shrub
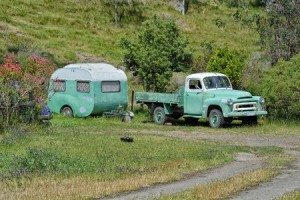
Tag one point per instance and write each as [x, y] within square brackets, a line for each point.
[280, 87]
[23, 80]
[229, 62]
[280, 29]
[123, 10]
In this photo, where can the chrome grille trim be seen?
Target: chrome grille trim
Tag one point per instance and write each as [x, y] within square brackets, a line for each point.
[247, 106]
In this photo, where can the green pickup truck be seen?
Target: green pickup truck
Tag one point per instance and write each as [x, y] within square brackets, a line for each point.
[204, 95]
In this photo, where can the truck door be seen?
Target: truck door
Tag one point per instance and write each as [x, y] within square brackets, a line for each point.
[193, 97]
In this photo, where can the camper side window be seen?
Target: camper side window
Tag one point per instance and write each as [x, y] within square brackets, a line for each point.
[83, 86]
[110, 86]
[59, 86]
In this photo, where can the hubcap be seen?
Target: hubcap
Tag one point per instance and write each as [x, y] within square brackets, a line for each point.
[158, 116]
[215, 119]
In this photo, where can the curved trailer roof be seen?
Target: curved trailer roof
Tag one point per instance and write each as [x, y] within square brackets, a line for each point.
[89, 72]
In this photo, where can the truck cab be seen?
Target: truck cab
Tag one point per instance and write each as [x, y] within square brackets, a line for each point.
[205, 95]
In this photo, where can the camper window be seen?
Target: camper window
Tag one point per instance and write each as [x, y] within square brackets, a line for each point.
[59, 85]
[110, 86]
[83, 86]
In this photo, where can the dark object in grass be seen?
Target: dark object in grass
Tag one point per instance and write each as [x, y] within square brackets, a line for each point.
[126, 139]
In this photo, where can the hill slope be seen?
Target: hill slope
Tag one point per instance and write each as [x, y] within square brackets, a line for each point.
[79, 30]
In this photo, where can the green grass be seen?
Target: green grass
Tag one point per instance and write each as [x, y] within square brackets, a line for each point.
[80, 158]
[79, 30]
[104, 154]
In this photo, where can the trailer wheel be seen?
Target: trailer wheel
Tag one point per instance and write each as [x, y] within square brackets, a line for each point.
[216, 118]
[159, 115]
[67, 111]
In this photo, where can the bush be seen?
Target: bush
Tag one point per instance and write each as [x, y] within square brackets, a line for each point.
[236, 3]
[123, 11]
[23, 83]
[280, 87]
[229, 62]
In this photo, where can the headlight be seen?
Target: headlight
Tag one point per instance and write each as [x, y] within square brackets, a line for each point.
[261, 100]
[230, 102]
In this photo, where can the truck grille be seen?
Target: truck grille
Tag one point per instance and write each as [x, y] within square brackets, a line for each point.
[248, 106]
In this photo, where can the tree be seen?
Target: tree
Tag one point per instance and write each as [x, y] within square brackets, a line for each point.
[280, 30]
[120, 10]
[229, 62]
[158, 50]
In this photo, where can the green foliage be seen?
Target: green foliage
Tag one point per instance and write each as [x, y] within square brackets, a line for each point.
[158, 51]
[236, 3]
[201, 61]
[123, 10]
[280, 30]
[258, 3]
[229, 62]
[280, 87]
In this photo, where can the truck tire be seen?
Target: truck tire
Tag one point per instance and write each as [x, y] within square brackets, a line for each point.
[67, 111]
[250, 120]
[216, 118]
[159, 115]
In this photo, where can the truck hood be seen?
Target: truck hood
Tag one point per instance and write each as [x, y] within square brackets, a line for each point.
[228, 93]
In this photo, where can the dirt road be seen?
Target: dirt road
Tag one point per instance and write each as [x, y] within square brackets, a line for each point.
[243, 162]
[287, 181]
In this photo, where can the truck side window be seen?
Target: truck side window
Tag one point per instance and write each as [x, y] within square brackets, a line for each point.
[195, 84]
[59, 85]
[83, 86]
[110, 86]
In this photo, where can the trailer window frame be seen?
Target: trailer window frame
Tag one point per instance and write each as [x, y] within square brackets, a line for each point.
[111, 91]
[83, 81]
[64, 87]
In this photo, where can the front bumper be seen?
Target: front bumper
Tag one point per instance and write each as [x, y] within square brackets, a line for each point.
[246, 113]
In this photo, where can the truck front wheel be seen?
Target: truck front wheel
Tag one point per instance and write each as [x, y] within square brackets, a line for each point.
[159, 115]
[216, 118]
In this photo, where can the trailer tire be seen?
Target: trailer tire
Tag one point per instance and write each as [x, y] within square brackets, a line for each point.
[216, 118]
[159, 115]
[67, 111]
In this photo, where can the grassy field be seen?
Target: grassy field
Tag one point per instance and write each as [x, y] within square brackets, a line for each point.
[84, 158]
[82, 30]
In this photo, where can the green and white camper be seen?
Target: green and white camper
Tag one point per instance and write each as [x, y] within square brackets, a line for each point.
[88, 88]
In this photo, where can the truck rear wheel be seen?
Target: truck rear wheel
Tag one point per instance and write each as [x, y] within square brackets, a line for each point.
[159, 115]
[216, 118]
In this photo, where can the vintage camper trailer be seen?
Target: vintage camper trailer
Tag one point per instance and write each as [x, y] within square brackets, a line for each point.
[90, 88]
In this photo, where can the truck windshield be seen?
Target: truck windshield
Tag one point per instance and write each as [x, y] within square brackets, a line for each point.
[216, 82]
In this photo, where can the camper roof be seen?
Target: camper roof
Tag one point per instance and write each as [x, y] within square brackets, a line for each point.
[90, 72]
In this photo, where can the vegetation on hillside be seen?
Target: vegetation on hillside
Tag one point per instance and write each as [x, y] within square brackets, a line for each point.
[86, 31]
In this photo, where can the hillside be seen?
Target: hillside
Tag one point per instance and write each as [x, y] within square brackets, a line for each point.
[80, 30]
